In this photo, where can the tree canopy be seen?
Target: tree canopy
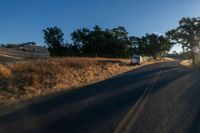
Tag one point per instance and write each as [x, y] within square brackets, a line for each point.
[98, 42]
[54, 39]
[154, 45]
[187, 34]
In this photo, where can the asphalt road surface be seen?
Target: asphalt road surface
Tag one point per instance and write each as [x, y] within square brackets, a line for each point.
[158, 98]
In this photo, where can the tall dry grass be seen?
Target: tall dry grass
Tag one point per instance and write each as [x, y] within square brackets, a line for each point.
[4, 71]
[27, 79]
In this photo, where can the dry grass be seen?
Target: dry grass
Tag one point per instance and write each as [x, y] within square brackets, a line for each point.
[168, 59]
[27, 79]
[187, 63]
[22, 78]
[4, 71]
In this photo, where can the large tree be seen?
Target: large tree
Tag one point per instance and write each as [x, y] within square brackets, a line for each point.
[54, 39]
[187, 34]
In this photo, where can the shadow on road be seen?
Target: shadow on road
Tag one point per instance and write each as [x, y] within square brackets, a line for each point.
[114, 97]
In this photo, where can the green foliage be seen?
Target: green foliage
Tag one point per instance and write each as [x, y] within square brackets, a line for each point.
[182, 55]
[99, 42]
[187, 34]
[152, 45]
[103, 43]
[54, 39]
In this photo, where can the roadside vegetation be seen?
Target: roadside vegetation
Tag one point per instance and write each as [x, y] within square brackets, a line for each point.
[116, 42]
[29, 81]
[110, 43]
[93, 55]
[188, 35]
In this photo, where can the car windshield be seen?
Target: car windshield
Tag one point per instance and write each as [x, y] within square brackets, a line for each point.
[99, 66]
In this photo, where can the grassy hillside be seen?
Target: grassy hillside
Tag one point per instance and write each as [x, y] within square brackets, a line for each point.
[8, 55]
[26, 79]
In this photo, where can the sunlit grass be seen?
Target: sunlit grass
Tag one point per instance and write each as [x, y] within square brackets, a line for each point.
[26, 79]
[187, 63]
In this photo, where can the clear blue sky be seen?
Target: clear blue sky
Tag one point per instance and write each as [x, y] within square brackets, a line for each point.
[23, 20]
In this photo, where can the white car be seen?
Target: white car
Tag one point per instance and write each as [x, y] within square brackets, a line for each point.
[136, 60]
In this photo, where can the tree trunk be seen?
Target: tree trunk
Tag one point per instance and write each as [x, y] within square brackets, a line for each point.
[193, 60]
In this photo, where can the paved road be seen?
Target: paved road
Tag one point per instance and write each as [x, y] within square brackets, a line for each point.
[158, 98]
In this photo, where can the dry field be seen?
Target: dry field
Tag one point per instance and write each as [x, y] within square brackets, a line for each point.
[23, 80]
[8, 55]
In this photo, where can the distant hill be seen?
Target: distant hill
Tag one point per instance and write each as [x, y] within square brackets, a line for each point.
[8, 55]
